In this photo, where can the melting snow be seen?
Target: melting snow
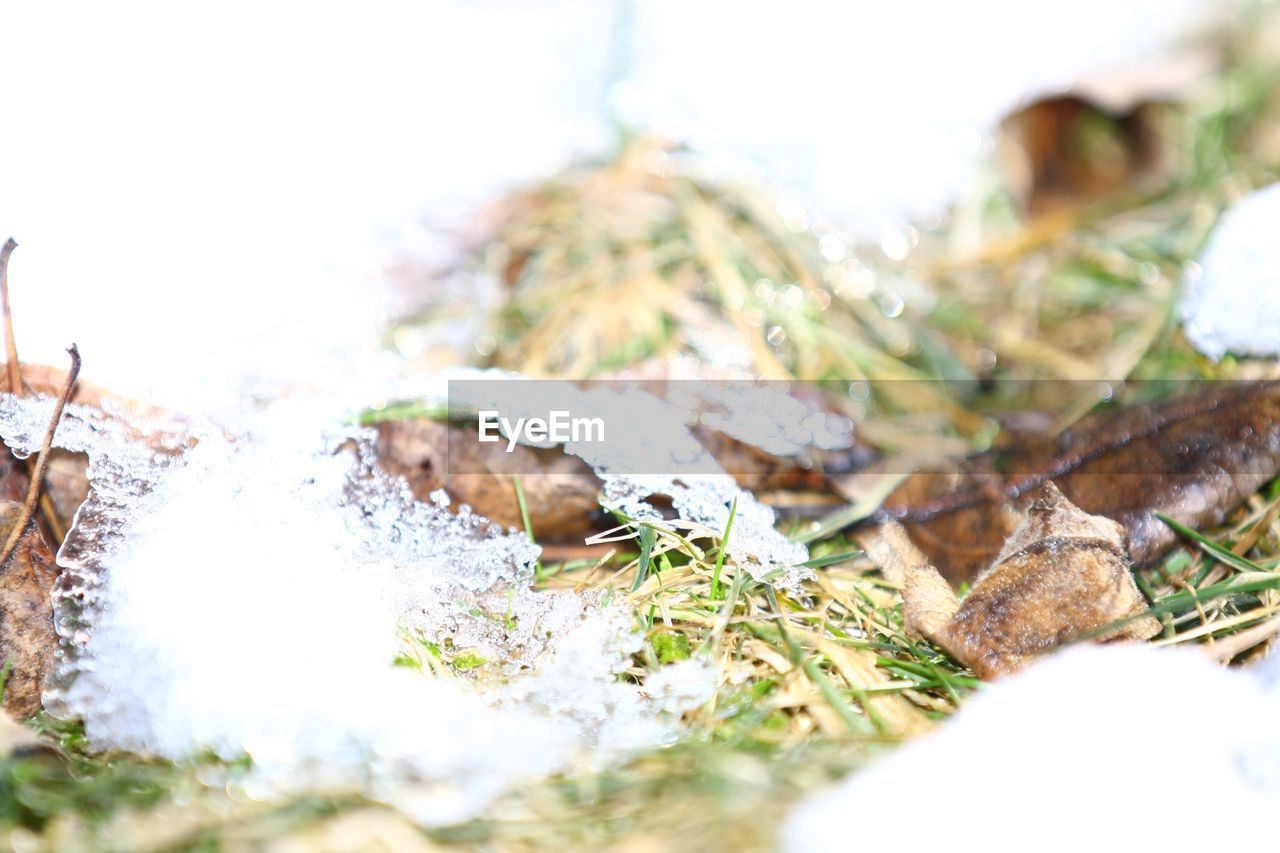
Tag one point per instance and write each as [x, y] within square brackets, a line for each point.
[1096, 745]
[247, 595]
[1232, 300]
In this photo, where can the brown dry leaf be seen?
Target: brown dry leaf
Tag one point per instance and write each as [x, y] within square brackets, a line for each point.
[27, 637]
[757, 470]
[1195, 459]
[66, 482]
[560, 490]
[1106, 134]
[1065, 151]
[1062, 575]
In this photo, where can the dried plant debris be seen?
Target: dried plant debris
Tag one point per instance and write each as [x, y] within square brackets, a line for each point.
[610, 266]
[1108, 132]
[27, 637]
[560, 492]
[1065, 151]
[654, 436]
[1062, 575]
[768, 436]
[1194, 459]
[27, 573]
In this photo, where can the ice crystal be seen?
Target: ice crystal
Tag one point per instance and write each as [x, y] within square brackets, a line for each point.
[246, 593]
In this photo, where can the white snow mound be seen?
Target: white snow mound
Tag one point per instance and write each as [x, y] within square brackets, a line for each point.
[1097, 747]
[1231, 303]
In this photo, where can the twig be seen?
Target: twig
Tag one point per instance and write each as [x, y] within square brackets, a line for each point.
[37, 477]
[10, 344]
[14, 370]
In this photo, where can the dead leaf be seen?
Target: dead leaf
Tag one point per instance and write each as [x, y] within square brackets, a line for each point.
[66, 482]
[1194, 458]
[27, 637]
[1064, 151]
[759, 470]
[560, 491]
[1106, 134]
[1062, 575]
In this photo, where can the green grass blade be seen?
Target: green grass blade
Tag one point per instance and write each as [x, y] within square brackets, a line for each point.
[1213, 549]
[724, 548]
[648, 536]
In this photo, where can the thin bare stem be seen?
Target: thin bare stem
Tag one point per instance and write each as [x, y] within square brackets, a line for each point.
[10, 343]
[13, 369]
[37, 477]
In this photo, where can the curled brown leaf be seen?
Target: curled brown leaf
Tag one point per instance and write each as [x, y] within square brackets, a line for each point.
[1063, 574]
[1194, 458]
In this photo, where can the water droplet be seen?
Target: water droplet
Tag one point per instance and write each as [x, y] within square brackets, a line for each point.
[891, 304]
[832, 248]
[794, 216]
[895, 245]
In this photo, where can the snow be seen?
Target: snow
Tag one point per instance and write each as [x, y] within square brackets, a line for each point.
[874, 115]
[205, 199]
[1097, 747]
[1231, 299]
[247, 596]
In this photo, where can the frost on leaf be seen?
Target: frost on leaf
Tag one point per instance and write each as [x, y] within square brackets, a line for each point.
[248, 595]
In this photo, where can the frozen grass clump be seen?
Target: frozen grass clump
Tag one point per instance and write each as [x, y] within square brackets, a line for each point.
[250, 596]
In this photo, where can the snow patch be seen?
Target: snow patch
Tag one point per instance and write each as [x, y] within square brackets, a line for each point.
[1097, 745]
[249, 238]
[1231, 301]
[247, 595]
